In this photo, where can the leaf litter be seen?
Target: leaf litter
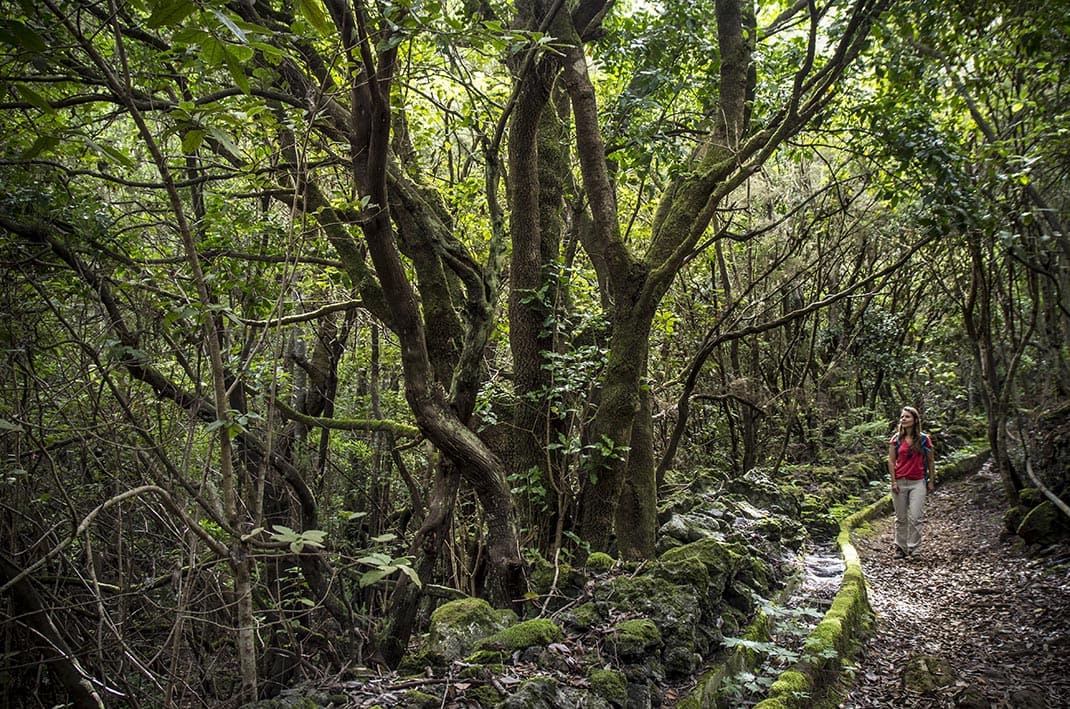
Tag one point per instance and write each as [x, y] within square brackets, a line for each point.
[996, 612]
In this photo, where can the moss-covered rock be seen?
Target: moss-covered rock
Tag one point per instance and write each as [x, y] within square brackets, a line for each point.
[687, 570]
[561, 582]
[484, 695]
[1042, 525]
[599, 562]
[924, 673]
[415, 699]
[758, 486]
[720, 558]
[583, 617]
[791, 689]
[546, 694]
[529, 633]
[1012, 518]
[632, 639]
[1030, 497]
[611, 685]
[458, 625]
[684, 528]
[675, 608]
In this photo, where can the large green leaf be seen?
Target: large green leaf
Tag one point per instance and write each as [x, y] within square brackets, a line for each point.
[34, 98]
[21, 36]
[168, 13]
[312, 11]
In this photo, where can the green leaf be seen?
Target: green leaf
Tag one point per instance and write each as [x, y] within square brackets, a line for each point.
[411, 573]
[252, 533]
[224, 139]
[312, 11]
[42, 144]
[229, 23]
[168, 13]
[375, 575]
[388, 537]
[191, 141]
[34, 98]
[282, 533]
[6, 425]
[109, 152]
[213, 53]
[375, 559]
[237, 70]
[21, 36]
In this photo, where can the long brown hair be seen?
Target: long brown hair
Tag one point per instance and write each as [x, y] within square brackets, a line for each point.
[914, 432]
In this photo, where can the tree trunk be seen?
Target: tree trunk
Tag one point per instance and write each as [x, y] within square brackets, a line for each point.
[64, 664]
[637, 513]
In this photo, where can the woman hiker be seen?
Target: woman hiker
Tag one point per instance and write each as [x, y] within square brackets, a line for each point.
[913, 471]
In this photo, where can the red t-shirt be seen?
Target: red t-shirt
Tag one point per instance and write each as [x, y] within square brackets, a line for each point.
[909, 464]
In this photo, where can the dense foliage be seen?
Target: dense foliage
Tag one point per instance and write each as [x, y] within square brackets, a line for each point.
[315, 306]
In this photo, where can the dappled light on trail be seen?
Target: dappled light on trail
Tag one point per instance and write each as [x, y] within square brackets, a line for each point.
[976, 621]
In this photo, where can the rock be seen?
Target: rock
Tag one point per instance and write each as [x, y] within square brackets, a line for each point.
[1028, 698]
[415, 699]
[1042, 525]
[599, 562]
[720, 559]
[457, 626]
[973, 697]
[1013, 517]
[547, 694]
[633, 639]
[924, 673]
[537, 632]
[1030, 497]
[687, 528]
[609, 685]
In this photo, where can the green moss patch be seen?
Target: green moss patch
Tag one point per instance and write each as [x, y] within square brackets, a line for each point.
[529, 633]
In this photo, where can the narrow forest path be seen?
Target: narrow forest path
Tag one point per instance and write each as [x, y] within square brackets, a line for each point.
[999, 618]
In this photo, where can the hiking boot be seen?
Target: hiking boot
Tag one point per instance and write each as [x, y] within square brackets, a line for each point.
[899, 553]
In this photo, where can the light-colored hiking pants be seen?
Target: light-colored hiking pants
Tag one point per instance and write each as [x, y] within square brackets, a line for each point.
[909, 505]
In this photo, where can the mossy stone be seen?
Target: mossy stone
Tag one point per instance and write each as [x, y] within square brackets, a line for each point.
[1012, 518]
[486, 657]
[600, 561]
[1030, 497]
[417, 663]
[538, 693]
[1042, 524]
[529, 633]
[585, 616]
[685, 570]
[634, 638]
[458, 625]
[611, 685]
[924, 673]
[791, 689]
[484, 695]
[415, 699]
[720, 559]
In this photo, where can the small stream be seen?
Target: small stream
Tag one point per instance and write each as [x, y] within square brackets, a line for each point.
[820, 572]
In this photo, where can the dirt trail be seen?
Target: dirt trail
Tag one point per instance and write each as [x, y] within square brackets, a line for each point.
[998, 617]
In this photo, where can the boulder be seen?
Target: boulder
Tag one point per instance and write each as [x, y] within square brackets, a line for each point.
[457, 626]
[1043, 524]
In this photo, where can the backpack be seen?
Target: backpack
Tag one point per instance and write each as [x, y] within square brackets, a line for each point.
[926, 446]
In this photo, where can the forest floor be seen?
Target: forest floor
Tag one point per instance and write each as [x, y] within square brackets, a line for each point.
[989, 616]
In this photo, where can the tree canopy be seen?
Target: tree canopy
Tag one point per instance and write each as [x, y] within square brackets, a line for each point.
[315, 305]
